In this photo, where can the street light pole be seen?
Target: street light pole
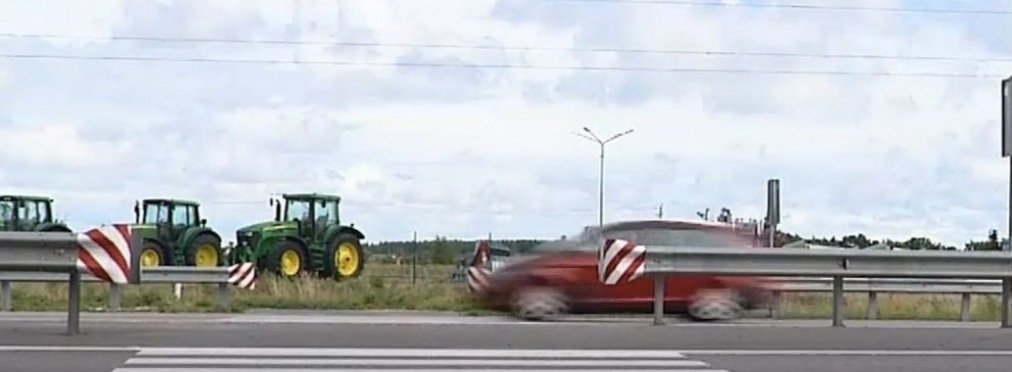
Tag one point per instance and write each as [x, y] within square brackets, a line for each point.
[600, 189]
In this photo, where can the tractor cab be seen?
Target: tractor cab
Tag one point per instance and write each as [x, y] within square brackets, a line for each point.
[175, 234]
[28, 213]
[312, 213]
[170, 217]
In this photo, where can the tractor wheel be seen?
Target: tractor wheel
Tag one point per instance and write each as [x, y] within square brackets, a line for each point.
[288, 259]
[152, 255]
[204, 251]
[344, 258]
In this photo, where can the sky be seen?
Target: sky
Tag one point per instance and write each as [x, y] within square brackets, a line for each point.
[464, 141]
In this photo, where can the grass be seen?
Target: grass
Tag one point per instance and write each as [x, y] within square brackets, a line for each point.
[389, 287]
[380, 287]
[892, 306]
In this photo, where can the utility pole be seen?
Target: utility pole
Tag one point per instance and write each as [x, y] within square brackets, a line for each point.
[593, 137]
[414, 258]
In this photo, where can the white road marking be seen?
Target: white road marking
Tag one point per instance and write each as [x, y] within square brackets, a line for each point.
[462, 320]
[598, 354]
[100, 349]
[183, 369]
[369, 319]
[154, 359]
[851, 352]
[535, 362]
[412, 352]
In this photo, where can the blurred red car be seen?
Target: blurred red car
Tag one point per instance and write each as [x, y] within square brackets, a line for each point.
[561, 277]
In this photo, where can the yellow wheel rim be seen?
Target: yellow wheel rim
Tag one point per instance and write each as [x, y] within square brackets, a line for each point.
[149, 257]
[290, 263]
[346, 259]
[206, 255]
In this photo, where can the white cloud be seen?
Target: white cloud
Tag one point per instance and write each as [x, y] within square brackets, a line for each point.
[47, 146]
[467, 151]
[60, 17]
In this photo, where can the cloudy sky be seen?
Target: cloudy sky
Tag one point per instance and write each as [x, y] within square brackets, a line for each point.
[131, 99]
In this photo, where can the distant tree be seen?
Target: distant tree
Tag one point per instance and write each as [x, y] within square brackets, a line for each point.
[443, 252]
[991, 244]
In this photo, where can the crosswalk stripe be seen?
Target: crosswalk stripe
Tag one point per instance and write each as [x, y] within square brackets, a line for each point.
[245, 369]
[411, 352]
[395, 360]
[417, 362]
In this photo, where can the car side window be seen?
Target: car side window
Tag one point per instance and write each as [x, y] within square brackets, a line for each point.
[673, 237]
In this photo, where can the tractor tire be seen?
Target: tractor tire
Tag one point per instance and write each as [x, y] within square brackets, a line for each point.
[343, 258]
[288, 259]
[152, 255]
[204, 251]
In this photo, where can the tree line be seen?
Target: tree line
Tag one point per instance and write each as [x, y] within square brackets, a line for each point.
[440, 250]
[989, 243]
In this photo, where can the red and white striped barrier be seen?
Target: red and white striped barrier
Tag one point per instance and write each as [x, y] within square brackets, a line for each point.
[243, 275]
[478, 271]
[106, 253]
[620, 260]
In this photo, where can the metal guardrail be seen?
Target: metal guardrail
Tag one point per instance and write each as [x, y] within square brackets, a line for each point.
[168, 274]
[873, 286]
[622, 260]
[108, 253]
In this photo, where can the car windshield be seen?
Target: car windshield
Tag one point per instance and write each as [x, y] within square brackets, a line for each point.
[675, 237]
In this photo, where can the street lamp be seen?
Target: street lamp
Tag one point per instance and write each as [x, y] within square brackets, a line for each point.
[593, 137]
[1006, 151]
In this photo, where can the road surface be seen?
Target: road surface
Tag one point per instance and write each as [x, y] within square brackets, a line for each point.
[345, 341]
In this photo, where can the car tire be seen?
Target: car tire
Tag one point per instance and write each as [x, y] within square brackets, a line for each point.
[715, 305]
[538, 303]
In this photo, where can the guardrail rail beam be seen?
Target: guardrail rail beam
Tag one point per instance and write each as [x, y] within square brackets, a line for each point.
[840, 265]
[108, 252]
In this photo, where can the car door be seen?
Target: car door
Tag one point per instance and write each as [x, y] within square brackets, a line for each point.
[680, 289]
[638, 294]
[592, 292]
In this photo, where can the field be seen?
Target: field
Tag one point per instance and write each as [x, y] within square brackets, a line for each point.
[388, 286]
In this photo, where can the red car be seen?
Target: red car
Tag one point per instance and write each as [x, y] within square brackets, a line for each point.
[561, 277]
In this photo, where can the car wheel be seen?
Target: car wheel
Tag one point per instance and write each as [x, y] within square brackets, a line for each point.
[715, 305]
[539, 303]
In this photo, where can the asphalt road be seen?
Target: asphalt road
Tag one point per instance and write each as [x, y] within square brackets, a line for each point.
[328, 342]
[61, 361]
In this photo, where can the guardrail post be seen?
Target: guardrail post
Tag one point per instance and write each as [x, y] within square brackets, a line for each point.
[115, 296]
[964, 308]
[659, 299]
[838, 301]
[6, 302]
[1006, 293]
[223, 295]
[74, 305]
[872, 305]
[776, 305]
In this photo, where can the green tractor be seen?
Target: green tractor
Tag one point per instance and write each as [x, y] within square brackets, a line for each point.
[175, 235]
[28, 213]
[306, 236]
